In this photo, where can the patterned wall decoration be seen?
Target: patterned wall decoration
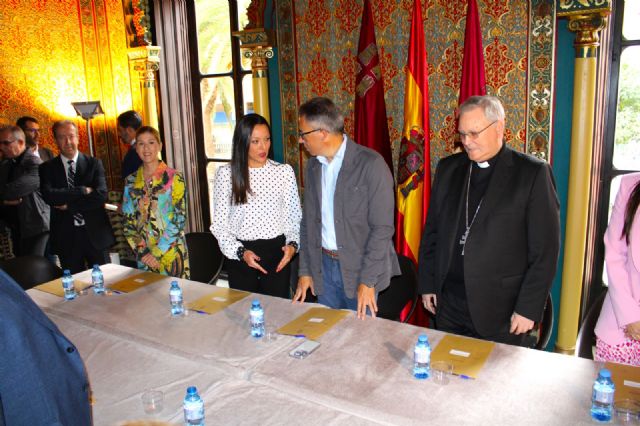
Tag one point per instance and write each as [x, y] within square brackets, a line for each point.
[288, 87]
[57, 52]
[541, 77]
[326, 42]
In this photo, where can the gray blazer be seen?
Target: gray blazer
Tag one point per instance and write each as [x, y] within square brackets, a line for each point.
[363, 213]
[33, 212]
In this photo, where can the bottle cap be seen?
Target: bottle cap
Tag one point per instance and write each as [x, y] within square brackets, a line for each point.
[605, 373]
[255, 303]
[422, 338]
[174, 282]
[66, 272]
[95, 265]
[192, 390]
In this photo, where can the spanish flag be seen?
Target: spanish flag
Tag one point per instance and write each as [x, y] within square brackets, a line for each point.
[414, 165]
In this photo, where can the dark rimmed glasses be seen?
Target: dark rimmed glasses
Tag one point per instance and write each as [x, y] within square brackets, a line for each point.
[474, 135]
[301, 135]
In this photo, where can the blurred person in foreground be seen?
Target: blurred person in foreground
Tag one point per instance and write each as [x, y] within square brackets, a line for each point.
[42, 377]
[618, 327]
[154, 208]
[256, 212]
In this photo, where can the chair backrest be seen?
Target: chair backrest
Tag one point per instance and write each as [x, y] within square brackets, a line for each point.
[586, 336]
[29, 271]
[400, 292]
[205, 257]
[545, 327]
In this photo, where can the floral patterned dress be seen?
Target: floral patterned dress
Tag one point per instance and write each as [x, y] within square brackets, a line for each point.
[155, 213]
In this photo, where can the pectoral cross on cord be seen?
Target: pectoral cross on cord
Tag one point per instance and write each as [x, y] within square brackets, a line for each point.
[463, 239]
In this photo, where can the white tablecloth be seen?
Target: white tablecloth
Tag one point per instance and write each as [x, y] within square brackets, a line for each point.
[361, 373]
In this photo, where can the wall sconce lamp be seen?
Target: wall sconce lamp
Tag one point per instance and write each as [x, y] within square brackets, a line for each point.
[88, 110]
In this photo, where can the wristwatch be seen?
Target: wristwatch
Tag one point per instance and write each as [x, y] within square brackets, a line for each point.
[294, 245]
[240, 253]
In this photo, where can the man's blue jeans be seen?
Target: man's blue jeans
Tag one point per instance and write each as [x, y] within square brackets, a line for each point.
[333, 290]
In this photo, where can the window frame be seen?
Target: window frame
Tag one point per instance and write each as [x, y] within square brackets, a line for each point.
[608, 170]
[237, 74]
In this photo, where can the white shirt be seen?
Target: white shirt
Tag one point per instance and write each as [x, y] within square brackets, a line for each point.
[272, 207]
[330, 171]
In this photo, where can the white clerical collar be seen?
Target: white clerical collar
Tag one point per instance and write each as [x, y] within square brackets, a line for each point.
[483, 164]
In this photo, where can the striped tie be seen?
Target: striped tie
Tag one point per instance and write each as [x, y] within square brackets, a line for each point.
[78, 220]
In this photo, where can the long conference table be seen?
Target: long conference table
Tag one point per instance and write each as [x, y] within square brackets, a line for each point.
[361, 374]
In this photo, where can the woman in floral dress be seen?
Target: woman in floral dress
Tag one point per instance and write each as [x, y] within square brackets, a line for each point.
[154, 206]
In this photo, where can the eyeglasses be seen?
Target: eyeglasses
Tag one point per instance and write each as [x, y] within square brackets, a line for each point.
[301, 135]
[7, 143]
[474, 135]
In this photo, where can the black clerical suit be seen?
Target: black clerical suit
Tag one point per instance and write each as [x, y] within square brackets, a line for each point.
[77, 244]
[511, 250]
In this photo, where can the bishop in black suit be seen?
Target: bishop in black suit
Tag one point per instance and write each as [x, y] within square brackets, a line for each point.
[74, 185]
[490, 246]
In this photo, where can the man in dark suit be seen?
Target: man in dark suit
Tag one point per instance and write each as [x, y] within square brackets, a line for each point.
[128, 123]
[74, 185]
[23, 207]
[346, 248]
[43, 379]
[490, 246]
[31, 129]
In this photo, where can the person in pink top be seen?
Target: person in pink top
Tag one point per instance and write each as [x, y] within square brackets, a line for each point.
[618, 327]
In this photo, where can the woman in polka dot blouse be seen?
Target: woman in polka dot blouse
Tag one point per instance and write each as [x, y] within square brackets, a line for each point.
[256, 212]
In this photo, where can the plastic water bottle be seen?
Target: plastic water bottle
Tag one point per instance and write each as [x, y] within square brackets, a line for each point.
[193, 408]
[422, 358]
[67, 285]
[602, 399]
[175, 297]
[97, 280]
[257, 319]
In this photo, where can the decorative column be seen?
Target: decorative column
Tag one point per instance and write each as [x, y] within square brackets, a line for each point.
[586, 19]
[144, 62]
[257, 45]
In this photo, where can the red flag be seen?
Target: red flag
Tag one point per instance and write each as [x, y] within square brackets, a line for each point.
[371, 128]
[472, 82]
[414, 166]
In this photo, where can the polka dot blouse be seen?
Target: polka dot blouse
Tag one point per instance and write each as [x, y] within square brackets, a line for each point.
[272, 208]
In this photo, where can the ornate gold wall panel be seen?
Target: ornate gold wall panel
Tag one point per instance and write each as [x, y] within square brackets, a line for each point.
[57, 52]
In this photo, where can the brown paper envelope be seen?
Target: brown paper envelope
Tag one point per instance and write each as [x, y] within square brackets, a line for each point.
[314, 323]
[627, 380]
[467, 355]
[134, 282]
[218, 300]
[55, 286]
